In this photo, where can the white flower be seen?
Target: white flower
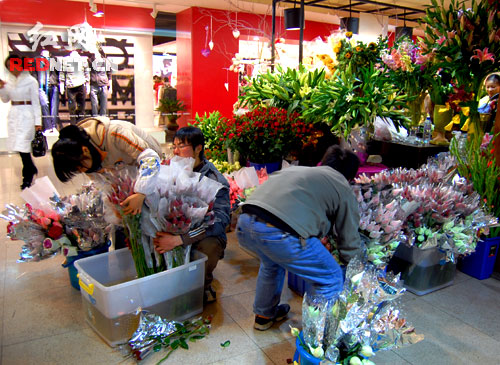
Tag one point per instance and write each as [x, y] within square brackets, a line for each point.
[367, 362]
[366, 351]
[354, 361]
[295, 331]
[376, 90]
[356, 278]
[349, 97]
[317, 352]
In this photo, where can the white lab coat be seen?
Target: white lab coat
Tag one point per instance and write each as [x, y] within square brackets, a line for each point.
[21, 119]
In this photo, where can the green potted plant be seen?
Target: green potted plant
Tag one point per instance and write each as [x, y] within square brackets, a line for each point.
[347, 101]
[169, 113]
[214, 143]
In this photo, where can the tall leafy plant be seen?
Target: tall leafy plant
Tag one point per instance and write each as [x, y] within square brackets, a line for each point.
[347, 101]
[285, 89]
[214, 140]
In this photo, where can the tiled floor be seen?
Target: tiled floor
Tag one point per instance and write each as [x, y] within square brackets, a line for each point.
[42, 322]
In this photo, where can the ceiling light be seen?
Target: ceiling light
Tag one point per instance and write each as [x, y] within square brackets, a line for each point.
[99, 14]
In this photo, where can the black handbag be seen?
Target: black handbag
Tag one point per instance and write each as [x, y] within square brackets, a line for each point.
[39, 144]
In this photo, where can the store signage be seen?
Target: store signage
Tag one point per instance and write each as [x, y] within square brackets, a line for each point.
[79, 36]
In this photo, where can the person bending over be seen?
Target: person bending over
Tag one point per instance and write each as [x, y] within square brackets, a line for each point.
[285, 218]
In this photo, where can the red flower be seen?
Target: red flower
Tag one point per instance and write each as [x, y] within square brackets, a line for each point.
[55, 231]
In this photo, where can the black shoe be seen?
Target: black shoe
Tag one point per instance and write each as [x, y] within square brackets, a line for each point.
[209, 296]
[25, 185]
[263, 324]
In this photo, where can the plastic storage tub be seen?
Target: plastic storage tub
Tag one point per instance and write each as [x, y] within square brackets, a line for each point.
[423, 271]
[297, 284]
[111, 294]
[481, 262]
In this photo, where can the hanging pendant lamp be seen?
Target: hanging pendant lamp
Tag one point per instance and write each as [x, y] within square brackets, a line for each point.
[292, 18]
[349, 23]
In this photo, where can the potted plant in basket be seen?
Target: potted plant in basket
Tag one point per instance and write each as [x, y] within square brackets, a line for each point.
[265, 135]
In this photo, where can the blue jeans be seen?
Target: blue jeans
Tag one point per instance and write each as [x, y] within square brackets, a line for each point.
[54, 105]
[280, 251]
[99, 99]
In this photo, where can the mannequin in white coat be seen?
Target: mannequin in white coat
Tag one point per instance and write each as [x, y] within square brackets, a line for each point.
[24, 117]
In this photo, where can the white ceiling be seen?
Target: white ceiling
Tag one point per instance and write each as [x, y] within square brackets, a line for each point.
[265, 7]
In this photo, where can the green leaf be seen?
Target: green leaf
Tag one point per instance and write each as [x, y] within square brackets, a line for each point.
[174, 345]
[226, 344]
[183, 343]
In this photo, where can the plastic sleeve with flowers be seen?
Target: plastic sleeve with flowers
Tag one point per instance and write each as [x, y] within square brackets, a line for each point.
[314, 309]
[349, 329]
[84, 218]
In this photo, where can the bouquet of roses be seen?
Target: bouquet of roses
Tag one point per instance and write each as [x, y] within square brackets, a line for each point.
[363, 319]
[42, 231]
[178, 201]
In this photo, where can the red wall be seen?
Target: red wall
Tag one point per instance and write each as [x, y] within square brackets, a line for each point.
[201, 79]
[67, 13]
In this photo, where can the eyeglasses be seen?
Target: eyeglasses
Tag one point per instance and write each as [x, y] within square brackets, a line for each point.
[180, 146]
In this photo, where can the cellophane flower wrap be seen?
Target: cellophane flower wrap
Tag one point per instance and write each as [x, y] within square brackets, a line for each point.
[178, 201]
[437, 208]
[83, 215]
[120, 185]
[362, 320]
[41, 230]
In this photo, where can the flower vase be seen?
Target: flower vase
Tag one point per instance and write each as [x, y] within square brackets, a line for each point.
[270, 166]
[415, 110]
[442, 115]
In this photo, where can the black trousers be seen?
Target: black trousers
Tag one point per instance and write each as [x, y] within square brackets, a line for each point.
[76, 103]
[29, 168]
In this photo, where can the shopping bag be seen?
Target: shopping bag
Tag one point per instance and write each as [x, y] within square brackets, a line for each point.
[39, 144]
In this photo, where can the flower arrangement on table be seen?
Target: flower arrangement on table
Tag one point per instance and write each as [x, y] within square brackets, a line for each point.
[349, 100]
[407, 69]
[463, 39]
[364, 319]
[265, 134]
[478, 166]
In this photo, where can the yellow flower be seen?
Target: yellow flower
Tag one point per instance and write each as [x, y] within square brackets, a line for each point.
[348, 55]
[336, 49]
[348, 34]
[465, 111]
[358, 49]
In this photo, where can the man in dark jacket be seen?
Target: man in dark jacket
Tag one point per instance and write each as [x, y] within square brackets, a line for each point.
[190, 142]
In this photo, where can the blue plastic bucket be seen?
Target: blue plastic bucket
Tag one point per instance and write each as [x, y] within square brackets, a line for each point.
[70, 263]
[270, 166]
[302, 356]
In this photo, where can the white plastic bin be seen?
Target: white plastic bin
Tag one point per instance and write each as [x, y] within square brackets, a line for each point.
[111, 294]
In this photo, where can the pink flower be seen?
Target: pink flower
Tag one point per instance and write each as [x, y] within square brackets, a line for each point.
[441, 40]
[483, 55]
